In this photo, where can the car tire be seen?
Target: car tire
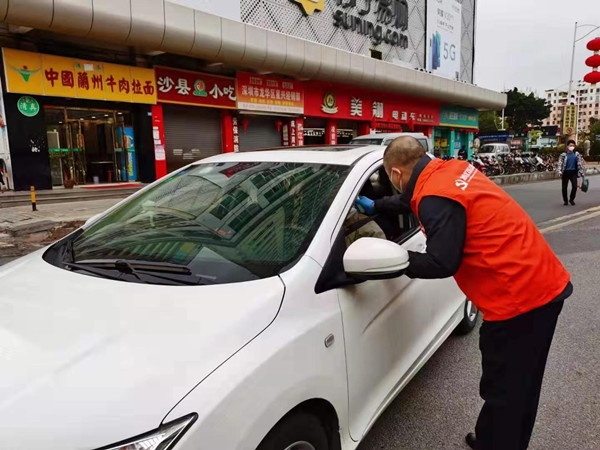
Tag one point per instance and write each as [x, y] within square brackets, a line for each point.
[298, 431]
[471, 314]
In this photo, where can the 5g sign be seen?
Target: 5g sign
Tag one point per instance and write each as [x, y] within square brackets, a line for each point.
[449, 51]
[444, 21]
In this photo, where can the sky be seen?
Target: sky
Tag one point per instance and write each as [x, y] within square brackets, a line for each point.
[528, 43]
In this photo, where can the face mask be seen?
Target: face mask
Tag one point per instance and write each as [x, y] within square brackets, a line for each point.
[571, 148]
[400, 189]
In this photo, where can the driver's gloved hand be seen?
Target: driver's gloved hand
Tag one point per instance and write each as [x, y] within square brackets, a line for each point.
[365, 205]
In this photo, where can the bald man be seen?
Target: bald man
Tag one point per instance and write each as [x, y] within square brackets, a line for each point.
[479, 235]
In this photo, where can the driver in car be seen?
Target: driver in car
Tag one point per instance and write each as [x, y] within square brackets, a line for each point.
[479, 235]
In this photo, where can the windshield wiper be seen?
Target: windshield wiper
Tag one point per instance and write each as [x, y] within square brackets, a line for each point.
[104, 273]
[146, 271]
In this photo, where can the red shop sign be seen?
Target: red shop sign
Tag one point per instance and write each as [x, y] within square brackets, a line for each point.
[345, 102]
[270, 94]
[194, 88]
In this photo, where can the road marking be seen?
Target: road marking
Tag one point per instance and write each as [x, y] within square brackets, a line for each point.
[570, 222]
[569, 216]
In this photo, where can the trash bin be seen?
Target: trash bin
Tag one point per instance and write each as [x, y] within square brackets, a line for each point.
[96, 179]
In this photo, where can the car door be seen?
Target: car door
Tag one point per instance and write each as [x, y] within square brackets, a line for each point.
[388, 324]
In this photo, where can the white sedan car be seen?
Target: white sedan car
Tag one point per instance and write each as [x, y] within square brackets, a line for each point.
[239, 303]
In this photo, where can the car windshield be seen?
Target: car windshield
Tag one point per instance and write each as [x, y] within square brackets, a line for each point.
[488, 148]
[222, 222]
[367, 141]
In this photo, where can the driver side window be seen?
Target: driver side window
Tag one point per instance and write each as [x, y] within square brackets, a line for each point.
[383, 226]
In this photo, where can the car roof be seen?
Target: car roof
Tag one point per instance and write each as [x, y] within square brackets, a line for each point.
[387, 135]
[344, 155]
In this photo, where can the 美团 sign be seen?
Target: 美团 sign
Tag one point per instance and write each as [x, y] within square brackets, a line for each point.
[57, 76]
[194, 88]
[382, 21]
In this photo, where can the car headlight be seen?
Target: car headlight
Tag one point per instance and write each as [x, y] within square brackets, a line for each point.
[163, 438]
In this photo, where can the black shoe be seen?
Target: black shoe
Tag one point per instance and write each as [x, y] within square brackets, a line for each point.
[566, 203]
[572, 202]
[470, 440]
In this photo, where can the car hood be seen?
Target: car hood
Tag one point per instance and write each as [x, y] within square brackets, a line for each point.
[86, 362]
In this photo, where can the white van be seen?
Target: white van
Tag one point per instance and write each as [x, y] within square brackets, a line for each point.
[494, 150]
[386, 138]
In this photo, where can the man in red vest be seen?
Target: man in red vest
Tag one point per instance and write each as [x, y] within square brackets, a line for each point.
[479, 235]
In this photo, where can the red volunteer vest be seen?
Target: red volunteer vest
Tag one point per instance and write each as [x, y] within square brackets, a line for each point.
[508, 268]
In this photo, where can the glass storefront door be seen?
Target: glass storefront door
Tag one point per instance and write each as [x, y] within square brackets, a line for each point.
[90, 145]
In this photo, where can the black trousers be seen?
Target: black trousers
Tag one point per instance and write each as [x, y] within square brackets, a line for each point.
[514, 354]
[569, 175]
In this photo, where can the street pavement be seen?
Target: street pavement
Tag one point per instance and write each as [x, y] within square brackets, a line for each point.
[441, 404]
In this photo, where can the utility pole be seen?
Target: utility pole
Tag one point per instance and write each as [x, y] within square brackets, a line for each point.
[575, 40]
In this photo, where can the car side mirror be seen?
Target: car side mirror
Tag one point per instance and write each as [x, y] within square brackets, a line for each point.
[375, 259]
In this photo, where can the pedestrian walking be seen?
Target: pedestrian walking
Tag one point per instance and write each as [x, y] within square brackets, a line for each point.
[477, 233]
[571, 168]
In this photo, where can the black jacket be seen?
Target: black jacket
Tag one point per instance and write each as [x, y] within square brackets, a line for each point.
[444, 222]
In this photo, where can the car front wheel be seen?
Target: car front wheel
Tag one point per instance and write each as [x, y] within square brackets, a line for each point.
[299, 431]
[471, 314]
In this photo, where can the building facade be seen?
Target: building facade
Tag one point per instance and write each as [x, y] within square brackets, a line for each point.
[120, 91]
[585, 97]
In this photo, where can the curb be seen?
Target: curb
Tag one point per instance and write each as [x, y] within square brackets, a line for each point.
[39, 226]
[531, 177]
[29, 227]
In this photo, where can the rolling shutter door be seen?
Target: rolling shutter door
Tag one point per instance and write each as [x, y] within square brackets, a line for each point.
[261, 132]
[191, 133]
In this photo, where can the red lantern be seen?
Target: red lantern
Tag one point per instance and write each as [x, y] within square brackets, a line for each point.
[593, 61]
[592, 78]
[594, 45]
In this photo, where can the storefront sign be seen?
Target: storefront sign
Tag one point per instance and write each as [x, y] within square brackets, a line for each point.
[569, 119]
[293, 133]
[236, 134]
[381, 21]
[194, 88]
[454, 116]
[354, 104]
[35, 73]
[444, 20]
[28, 106]
[158, 136]
[331, 138]
[270, 94]
[328, 106]
[300, 131]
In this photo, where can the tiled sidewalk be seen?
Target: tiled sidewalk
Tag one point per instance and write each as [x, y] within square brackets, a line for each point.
[22, 218]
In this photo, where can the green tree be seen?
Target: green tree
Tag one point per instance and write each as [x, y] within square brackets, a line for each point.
[489, 122]
[525, 110]
[593, 135]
